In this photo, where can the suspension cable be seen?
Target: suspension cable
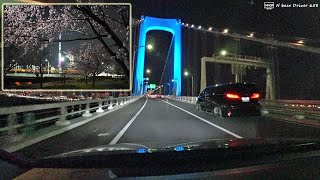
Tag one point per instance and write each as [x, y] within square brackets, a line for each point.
[165, 65]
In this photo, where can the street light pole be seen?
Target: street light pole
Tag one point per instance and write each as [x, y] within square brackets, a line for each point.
[192, 85]
[15, 66]
[187, 74]
[48, 66]
[63, 76]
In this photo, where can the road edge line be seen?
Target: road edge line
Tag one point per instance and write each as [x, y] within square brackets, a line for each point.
[206, 121]
[60, 131]
[124, 129]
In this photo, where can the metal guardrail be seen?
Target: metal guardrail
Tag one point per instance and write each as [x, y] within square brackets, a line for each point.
[21, 119]
[187, 99]
[300, 109]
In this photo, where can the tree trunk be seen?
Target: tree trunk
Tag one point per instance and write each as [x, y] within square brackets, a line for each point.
[93, 80]
[41, 81]
[86, 77]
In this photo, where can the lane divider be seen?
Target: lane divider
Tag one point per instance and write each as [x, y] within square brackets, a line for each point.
[206, 121]
[120, 134]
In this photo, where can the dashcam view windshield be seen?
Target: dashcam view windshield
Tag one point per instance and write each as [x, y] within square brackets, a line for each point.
[160, 89]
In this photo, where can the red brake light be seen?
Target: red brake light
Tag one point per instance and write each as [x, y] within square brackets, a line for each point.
[232, 96]
[255, 96]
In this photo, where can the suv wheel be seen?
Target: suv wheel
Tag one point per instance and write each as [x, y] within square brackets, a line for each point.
[217, 112]
[198, 107]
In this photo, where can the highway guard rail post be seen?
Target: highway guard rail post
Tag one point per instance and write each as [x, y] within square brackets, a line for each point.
[19, 121]
[299, 109]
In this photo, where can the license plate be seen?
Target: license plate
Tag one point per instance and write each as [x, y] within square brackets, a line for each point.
[245, 99]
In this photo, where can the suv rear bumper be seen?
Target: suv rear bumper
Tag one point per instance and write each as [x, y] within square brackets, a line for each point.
[234, 110]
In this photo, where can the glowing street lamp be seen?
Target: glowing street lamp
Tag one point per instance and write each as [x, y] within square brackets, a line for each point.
[48, 66]
[15, 65]
[149, 46]
[148, 71]
[186, 73]
[223, 52]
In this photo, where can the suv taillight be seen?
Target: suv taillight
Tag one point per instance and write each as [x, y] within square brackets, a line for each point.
[232, 96]
[255, 96]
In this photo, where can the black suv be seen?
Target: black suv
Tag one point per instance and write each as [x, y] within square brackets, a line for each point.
[230, 99]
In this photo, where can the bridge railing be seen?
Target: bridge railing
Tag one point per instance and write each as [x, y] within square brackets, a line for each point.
[21, 120]
[299, 109]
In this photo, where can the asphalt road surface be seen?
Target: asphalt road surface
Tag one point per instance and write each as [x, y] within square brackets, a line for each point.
[165, 121]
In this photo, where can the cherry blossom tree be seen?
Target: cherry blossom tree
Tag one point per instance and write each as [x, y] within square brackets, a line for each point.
[92, 60]
[34, 28]
[13, 55]
[37, 59]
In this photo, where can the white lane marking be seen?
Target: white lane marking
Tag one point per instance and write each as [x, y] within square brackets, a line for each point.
[120, 134]
[206, 121]
[103, 134]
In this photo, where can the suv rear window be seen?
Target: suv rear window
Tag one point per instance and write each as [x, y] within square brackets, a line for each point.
[242, 87]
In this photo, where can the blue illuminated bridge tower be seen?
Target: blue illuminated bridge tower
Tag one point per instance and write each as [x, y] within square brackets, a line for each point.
[170, 25]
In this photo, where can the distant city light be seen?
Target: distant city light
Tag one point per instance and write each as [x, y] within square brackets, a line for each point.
[300, 42]
[186, 73]
[199, 27]
[251, 35]
[192, 25]
[225, 31]
[148, 70]
[210, 29]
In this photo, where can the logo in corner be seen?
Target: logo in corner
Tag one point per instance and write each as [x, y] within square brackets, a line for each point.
[268, 5]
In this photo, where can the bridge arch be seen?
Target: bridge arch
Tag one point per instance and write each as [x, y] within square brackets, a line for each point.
[170, 25]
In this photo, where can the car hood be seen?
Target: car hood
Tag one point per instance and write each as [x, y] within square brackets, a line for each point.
[215, 144]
